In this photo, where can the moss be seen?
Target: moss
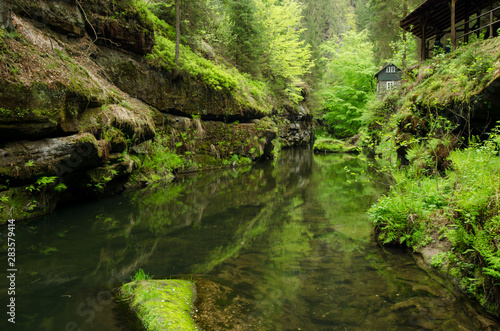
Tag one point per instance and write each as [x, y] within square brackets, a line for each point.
[454, 78]
[330, 145]
[19, 203]
[162, 304]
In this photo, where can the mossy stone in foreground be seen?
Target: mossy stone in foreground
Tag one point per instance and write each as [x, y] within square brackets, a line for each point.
[162, 304]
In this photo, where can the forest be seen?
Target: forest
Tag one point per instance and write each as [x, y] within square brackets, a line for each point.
[100, 98]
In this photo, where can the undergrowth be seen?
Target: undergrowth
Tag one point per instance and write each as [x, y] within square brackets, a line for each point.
[454, 78]
[460, 205]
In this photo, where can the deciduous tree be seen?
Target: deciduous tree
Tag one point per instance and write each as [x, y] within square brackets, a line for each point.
[348, 82]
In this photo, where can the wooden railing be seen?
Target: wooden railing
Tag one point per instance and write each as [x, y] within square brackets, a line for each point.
[477, 19]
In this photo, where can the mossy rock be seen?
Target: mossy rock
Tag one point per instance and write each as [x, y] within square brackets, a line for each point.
[28, 112]
[330, 145]
[19, 203]
[24, 161]
[162, 304]
[62, 16]
[177, 91]
[132, 118]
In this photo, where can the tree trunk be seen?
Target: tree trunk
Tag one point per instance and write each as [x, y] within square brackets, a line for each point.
[5, 14]
[453, 28]
[177, 31]
[405, 46]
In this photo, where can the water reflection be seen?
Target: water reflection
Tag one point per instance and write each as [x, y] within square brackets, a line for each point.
[281, 247]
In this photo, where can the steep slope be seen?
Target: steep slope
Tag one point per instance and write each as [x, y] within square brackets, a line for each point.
[82, 108]
[438, 138]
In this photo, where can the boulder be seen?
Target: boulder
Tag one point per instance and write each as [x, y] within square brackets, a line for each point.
[221, 140]
[5, 11]
[117, 24]
[62, 16]
[134, 120]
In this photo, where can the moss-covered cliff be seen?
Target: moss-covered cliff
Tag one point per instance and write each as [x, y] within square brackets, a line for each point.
[89, 105]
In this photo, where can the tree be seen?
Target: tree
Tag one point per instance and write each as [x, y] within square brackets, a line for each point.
[245, 43]
[177, 30]
[325, 20]
[287, 57]
[384, 25]
[348, 82]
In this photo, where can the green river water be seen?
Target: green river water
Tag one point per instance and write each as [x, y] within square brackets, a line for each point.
[286, 245]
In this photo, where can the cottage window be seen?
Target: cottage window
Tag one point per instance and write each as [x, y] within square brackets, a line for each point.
[390, 85]
[391, 69]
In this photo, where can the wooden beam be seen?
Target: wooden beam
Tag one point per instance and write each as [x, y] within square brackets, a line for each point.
[467, 27]
[453, 29]
[492, 18]
[423, 44]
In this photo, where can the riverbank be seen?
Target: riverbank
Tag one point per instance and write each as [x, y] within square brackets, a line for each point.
[436, 137]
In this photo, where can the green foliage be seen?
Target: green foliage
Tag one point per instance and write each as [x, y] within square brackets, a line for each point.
[455, 77]
[404, 50]
[44, 181]
[262, 38]
[48, 250]
[383, 24]
[160, 162]
[140, 275]
[462, 205]
[347, 83]
[60, 187]
[288, 58]
[246, 35]
[325, 20]
[331, 145]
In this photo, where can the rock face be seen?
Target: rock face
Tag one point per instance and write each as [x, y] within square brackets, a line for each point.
[171, 92]
[296, 129]
[5, 11]
[77, 96]
[21, 160]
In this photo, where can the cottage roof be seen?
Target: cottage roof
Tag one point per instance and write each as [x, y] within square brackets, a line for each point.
[437, 13]
[387, 65]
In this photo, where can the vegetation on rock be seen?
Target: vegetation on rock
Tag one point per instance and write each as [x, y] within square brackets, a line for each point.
[443, 202]
[161, 304]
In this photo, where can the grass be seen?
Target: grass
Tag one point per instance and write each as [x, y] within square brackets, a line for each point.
[140, 275]
[454, 78]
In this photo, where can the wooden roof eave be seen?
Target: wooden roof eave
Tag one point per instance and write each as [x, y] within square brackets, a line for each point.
[439, 14]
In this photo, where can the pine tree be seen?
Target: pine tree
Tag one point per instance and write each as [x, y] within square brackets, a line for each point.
[325, 20]
[245, 44]
[384, 25]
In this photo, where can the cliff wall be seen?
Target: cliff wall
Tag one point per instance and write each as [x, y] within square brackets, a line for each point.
[82, 111]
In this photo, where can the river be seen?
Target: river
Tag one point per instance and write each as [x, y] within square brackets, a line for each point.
[282, 245]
